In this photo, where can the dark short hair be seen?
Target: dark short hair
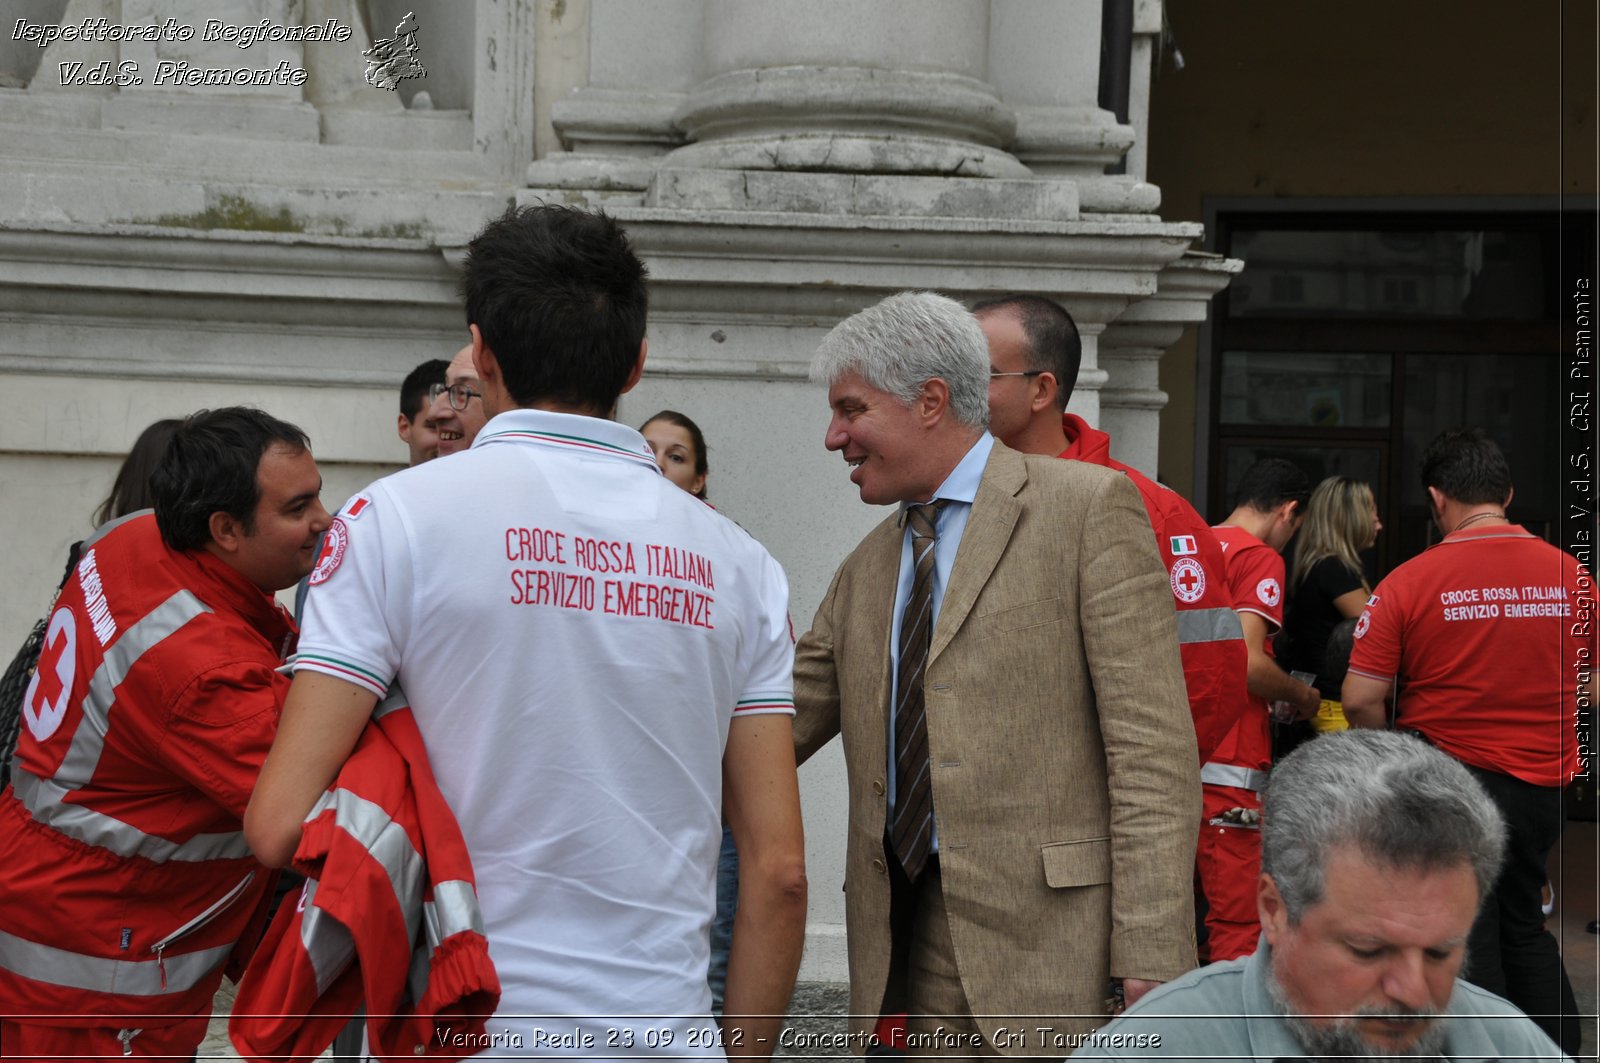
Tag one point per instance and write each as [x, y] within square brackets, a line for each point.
[560, 299]
[1466, 466]
[130, 491]
[1053, 343]
[210, 466]
[695, 436]
[414, 388]
[1271, 482]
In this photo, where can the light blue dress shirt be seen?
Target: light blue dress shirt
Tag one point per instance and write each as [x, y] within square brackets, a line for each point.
[958, 491]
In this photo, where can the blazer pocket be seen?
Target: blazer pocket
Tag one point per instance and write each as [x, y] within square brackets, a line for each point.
[1080, 863]
[1016, 618]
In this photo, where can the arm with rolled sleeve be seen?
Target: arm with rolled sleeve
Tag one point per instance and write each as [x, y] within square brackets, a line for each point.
[1131, 643]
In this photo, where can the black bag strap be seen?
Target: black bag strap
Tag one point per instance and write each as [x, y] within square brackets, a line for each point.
[19, 673]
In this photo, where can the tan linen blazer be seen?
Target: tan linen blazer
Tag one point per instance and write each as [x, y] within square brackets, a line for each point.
[1065, 785]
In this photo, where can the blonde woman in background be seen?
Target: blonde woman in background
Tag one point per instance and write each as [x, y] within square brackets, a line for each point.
[1327, 584]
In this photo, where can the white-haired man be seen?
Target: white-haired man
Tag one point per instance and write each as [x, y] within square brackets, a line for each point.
[1000, 659]
[1376, 852]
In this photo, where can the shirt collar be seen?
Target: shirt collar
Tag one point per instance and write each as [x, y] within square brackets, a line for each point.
[1487, 531]
[962, 483]
[595, 436]
[221, 586]
[1269, 1033]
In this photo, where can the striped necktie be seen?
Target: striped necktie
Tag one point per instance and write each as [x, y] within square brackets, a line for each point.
[911, 832]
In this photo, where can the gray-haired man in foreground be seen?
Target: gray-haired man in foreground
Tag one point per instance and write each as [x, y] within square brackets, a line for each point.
[1375, 852]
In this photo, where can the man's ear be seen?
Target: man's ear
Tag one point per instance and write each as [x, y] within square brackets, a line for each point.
[1270, 908]
[227, 531]
[1436, 500]
[1510, 494]
[403, 428]
[638, 367]
[934, 401]
[1046, 389]
[484, 362]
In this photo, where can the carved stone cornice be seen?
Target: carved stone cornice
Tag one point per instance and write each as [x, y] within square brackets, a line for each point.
[175, 304]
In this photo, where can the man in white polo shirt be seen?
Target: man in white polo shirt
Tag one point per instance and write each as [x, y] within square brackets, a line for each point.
[600, 664]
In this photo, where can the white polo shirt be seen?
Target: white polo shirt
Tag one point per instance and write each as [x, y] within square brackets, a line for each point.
[574, 634]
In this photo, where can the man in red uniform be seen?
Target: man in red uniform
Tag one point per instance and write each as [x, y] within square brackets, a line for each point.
[125, 880]
[1034, 352]
[1268, 507]
[1489, 635]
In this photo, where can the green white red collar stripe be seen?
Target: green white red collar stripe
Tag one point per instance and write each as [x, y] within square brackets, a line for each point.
[575, 442]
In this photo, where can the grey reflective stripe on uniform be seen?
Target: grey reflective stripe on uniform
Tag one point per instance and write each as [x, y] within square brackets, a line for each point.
[389, 844]
[134, 978]
[1233, 775]
[110, 526]
[326, 941]
[89, 740]
[328, 944]
[45, 798]
[454, 908]
[47, 802]
[1209, 625]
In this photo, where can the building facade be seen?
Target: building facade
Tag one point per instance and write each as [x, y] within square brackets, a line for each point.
[210, 204]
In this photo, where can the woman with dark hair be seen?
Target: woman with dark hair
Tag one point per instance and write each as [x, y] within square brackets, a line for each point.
[130, 492]
[680, 450]
[1327, 584]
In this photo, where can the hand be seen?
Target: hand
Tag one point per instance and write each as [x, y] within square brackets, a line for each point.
[1309, 705]
[1133, 989]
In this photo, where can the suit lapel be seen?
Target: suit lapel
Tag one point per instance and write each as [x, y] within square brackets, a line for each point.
[994, 516]
[881, 573]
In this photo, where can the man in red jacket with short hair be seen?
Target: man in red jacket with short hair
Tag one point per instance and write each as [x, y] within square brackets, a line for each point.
[125, 880]
[1034, 352]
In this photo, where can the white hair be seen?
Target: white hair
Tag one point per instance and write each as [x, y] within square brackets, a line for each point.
[906, 340]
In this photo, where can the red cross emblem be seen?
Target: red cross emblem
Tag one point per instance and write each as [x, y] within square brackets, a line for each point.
[45, 704]
[334, 541]
[1188, 580]
[1269, 592]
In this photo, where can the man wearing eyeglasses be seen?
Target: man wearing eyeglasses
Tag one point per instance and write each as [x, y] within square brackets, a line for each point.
[415, 424]
[1034, 354]
[457, 405]
[600, 666]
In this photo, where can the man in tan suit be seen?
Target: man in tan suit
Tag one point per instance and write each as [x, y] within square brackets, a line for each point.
[1022, 769]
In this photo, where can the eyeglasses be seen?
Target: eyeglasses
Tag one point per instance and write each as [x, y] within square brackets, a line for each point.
[1026, 372]
[460, 394]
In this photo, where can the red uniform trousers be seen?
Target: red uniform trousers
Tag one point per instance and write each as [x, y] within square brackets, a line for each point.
[1228, 862]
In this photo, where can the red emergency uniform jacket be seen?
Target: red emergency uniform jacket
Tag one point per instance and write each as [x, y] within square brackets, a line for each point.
[388, 916]
[125, 880]
[1210, 638]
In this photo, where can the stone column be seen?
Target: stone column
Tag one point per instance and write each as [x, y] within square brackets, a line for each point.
[1147, 23]
[841, 86]
[628, 75]
[1044, 57]
[1132, 346]
[644, 56]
